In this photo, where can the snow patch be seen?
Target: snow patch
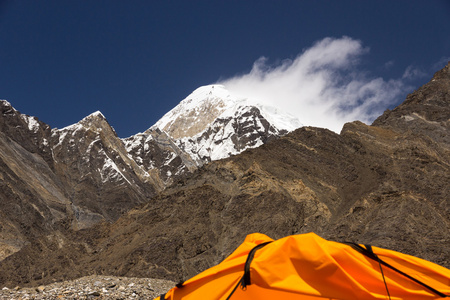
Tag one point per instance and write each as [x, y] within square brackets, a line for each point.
[110, 172]
[62, 136]
[33, 124]
[95, 114]
[74, 127]
[171, 157]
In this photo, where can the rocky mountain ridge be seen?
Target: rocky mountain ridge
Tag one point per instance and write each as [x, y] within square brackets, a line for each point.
[84, 174]
[385, 184]
[55, 180]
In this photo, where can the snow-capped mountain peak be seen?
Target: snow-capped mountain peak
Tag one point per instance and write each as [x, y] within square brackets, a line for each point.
[212, 123]
[193, 114]
[95, 121]
[207, 103]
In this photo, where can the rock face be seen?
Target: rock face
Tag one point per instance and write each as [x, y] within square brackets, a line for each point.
[32, 201]
[101, 178]
[157, 152]
[57, 180]
[384, 184]
[230, 135]
[424, 112]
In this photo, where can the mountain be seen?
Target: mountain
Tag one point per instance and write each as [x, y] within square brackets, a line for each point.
[209, 124]
[55, 180]
[384, 184]
[100, 177]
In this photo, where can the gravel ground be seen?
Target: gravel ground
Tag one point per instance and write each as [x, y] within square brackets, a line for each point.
[93, 287]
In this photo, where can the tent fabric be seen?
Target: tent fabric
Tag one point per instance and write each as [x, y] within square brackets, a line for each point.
[307, 266]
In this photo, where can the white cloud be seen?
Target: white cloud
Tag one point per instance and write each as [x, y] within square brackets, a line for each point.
[413, 73]
[389, 64]
[441, 63]
[323, 86]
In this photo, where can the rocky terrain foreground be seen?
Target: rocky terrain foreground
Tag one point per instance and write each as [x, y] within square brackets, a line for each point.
[93, 287]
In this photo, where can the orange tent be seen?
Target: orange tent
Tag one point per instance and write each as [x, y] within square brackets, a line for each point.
[308, 267]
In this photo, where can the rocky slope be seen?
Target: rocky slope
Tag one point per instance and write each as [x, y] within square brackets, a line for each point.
[31, 201]
[384, 184]
[157, 152]
[58, 180]
[101, 178]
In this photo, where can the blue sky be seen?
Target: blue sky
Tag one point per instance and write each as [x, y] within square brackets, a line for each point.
[135, 60]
